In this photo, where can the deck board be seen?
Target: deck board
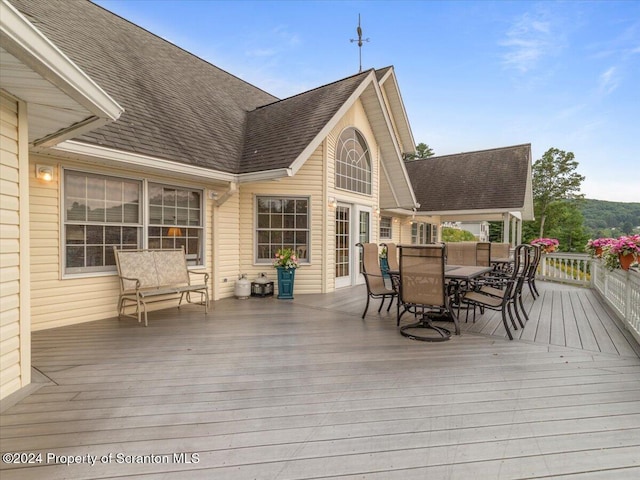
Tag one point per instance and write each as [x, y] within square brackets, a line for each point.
[306, 389]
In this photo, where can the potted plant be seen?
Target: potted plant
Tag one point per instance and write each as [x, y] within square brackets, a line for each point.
[595, 247]
[286, 262]
[627, 248]
[548, 245]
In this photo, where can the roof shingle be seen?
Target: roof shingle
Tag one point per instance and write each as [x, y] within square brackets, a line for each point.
[177, 106]
[486, 179]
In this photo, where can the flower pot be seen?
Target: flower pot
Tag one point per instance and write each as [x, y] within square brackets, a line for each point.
[625, 260]
[598, 252]
[384, 267]
[286, 276]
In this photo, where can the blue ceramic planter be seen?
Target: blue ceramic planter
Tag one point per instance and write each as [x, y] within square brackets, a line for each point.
[384, 267]
[285, 282]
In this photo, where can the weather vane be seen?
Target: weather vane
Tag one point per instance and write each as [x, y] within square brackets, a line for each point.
[359, 40]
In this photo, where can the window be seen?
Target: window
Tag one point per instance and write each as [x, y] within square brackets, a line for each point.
[282, 222]
[175, 220]
[353, 162]
[100, 212]
[385, 227]
[422, 233]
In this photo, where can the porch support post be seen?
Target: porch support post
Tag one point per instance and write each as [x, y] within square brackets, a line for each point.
[519, 232]
[506, 236]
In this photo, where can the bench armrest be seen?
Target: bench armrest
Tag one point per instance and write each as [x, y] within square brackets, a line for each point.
[131, 279]
[206, 275]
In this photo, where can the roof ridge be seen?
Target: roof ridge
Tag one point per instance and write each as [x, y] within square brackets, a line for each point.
[306, 92]
[472, 152]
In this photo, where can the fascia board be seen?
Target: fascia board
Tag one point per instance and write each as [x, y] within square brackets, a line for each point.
[488, 211]
[276, 174]
[126, 159]
[390, 77]
[397, 153]
[20, 38]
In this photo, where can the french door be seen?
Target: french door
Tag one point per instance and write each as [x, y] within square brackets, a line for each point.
[353, 225]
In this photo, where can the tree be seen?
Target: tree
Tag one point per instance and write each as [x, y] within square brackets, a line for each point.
[422, 151]
[456, 235]
[554, 179]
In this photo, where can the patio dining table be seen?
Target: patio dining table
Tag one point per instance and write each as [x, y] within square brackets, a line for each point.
[458, 278]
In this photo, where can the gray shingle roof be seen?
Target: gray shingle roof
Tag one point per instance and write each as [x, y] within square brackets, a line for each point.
[486, 179]
[276, 134]
[177, 106]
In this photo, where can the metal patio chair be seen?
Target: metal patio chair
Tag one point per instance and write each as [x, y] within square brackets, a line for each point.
[373, 278]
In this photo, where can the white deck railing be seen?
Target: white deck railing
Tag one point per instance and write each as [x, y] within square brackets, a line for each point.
[620, 289]
[571, 268]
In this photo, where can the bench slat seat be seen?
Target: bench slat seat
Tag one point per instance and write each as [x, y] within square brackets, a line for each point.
[145, 274]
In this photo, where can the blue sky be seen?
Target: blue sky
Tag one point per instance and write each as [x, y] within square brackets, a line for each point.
[473, 74]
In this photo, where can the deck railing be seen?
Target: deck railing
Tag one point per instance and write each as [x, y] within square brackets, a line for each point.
[619, 289]
[571, 268]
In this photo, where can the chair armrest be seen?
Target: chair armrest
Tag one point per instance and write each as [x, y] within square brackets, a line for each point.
[131, 279]
[206, 275]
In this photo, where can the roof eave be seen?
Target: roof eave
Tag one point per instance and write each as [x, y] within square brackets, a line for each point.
[28, 46]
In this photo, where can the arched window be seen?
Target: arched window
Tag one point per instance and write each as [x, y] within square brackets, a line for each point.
[353, 162]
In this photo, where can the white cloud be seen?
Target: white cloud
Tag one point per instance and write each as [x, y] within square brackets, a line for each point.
[609, 81]
[529, 40]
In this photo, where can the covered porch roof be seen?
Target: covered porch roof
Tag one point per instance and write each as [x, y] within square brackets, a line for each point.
[475, 186]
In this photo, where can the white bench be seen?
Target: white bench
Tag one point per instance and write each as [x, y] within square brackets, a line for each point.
[146, 275]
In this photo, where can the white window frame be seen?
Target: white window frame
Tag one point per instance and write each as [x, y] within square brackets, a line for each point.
[257, 229]
[346, 157]
[142, 225]
[383, 229]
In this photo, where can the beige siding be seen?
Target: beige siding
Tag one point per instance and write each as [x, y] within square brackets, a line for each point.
[14, 297]
[226, 248]
[57, 301]
[307, 182]
[315, 179]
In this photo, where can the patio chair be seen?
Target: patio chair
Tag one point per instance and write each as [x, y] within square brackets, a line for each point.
[483, 254]
[499, 250]
[423, 292]
[535, 252]
[373, 278]
[507, 298]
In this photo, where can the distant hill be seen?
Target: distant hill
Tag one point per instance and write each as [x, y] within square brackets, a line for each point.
[600, 215]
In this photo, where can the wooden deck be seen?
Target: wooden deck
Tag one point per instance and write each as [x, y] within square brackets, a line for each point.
[269, 389]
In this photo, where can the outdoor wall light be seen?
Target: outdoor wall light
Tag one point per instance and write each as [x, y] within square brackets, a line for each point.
[333, 203]
[44, 173]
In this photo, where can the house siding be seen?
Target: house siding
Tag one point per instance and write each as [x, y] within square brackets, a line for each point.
[306, 183]
[15, 363]
[225, 247]
[58, 301]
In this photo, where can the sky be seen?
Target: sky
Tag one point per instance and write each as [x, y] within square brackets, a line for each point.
[473, 75]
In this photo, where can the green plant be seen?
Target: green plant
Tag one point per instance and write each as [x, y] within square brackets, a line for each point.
[286, 258]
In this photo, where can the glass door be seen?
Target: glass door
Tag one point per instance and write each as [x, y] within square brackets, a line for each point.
[353, 225]
[343, 246]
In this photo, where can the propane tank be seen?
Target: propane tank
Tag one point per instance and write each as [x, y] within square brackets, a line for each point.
[262, 279]
[243, 287]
